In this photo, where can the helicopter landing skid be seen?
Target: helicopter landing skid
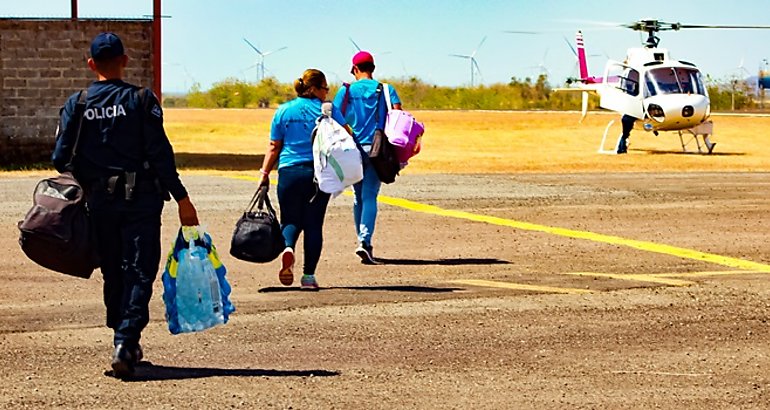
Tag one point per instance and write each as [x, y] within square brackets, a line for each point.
[704, 130]
[601, 150]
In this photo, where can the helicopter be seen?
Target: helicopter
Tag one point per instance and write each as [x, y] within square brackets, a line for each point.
[655, 91]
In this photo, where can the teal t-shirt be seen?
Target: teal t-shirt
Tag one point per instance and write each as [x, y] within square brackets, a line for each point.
[293, 123]
[363, 107]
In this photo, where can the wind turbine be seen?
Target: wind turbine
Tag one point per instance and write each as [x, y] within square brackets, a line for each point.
[354, 44]
[261, 63]
[472, 58]
[736, 81]
[187, 75]
[359, 48]
[742, 69]
[541, 67]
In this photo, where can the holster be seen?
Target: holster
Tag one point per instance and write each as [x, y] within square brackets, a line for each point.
[129, 183]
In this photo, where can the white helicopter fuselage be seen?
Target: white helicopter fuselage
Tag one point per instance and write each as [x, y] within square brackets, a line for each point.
[664, 94]
[680, 111]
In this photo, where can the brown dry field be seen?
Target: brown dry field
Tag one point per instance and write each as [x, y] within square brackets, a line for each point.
[521, 270]
[496, 142]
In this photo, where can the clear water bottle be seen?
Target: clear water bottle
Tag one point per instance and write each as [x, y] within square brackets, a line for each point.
[217, 310]
[188, 295]
[198, 298]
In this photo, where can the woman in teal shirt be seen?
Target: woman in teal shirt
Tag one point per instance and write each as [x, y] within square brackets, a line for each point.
[302, 204]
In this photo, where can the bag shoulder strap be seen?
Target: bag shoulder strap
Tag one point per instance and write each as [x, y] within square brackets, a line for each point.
[80, 111]
[386, 88]
[345, 99]
[377, 109]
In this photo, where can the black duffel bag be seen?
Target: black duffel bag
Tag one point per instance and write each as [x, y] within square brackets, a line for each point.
[57, 232]
[257, 236]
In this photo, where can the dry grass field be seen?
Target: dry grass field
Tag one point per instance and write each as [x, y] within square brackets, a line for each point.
[490, 142]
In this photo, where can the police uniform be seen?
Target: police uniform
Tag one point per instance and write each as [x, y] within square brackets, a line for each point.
[126, 165]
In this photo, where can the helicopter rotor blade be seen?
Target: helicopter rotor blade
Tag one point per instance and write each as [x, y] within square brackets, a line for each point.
[521, 32]
[650, 25]
[720, 26]
[607, 24]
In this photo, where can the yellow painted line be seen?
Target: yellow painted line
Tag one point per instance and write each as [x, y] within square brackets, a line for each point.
[703, 274]
[591, 236]
[570, 233]
[518, 286]
[635, 277]
[248, 178]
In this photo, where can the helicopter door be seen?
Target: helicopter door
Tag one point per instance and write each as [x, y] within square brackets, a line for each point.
[621, 90]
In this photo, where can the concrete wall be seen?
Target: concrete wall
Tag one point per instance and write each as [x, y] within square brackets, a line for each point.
[42, 62]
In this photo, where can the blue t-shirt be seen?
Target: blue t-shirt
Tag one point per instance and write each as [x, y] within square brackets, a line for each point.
[362, 108]
[293, 123]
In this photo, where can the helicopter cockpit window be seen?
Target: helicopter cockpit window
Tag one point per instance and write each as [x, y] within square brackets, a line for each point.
[670, 80]
[624, 78]
[690, 80]
[629, 82]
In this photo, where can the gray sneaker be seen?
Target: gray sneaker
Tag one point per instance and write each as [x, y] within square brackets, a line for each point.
[364, 252]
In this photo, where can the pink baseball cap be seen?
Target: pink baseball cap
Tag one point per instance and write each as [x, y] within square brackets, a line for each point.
[362, 57]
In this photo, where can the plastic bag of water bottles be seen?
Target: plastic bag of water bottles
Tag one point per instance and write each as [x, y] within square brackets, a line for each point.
[195, 290]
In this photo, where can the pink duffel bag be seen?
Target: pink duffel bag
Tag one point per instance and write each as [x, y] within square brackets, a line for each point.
[404, 132]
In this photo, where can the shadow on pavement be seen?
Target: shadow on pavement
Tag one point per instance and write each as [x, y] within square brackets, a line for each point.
[389, 288]
[680, 152]
[146, 371]
[443, 262]
[225, 162]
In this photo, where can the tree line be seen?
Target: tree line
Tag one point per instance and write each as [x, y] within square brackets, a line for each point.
[518, 94]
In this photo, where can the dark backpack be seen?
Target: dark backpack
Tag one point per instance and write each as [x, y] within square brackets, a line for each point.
[57, 233]
[257, 236]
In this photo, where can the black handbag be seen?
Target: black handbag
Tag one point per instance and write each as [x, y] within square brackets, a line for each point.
[257, 236]
[382, 154]
[57, 232]
[383, 158]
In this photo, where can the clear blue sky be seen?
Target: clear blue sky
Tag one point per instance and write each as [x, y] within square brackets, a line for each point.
[203, 39]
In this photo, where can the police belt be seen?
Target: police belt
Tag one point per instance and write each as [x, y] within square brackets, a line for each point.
[130, 183]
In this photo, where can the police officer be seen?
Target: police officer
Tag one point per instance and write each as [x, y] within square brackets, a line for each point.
[125, 163]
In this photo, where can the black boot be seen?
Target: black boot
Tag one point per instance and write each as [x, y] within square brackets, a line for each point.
[123, 361]
[622, 145]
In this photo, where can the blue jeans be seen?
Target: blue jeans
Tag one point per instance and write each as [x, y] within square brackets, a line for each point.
[365, 204]
[303, 208]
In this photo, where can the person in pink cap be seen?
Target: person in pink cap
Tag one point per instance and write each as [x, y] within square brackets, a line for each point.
[363, 104]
